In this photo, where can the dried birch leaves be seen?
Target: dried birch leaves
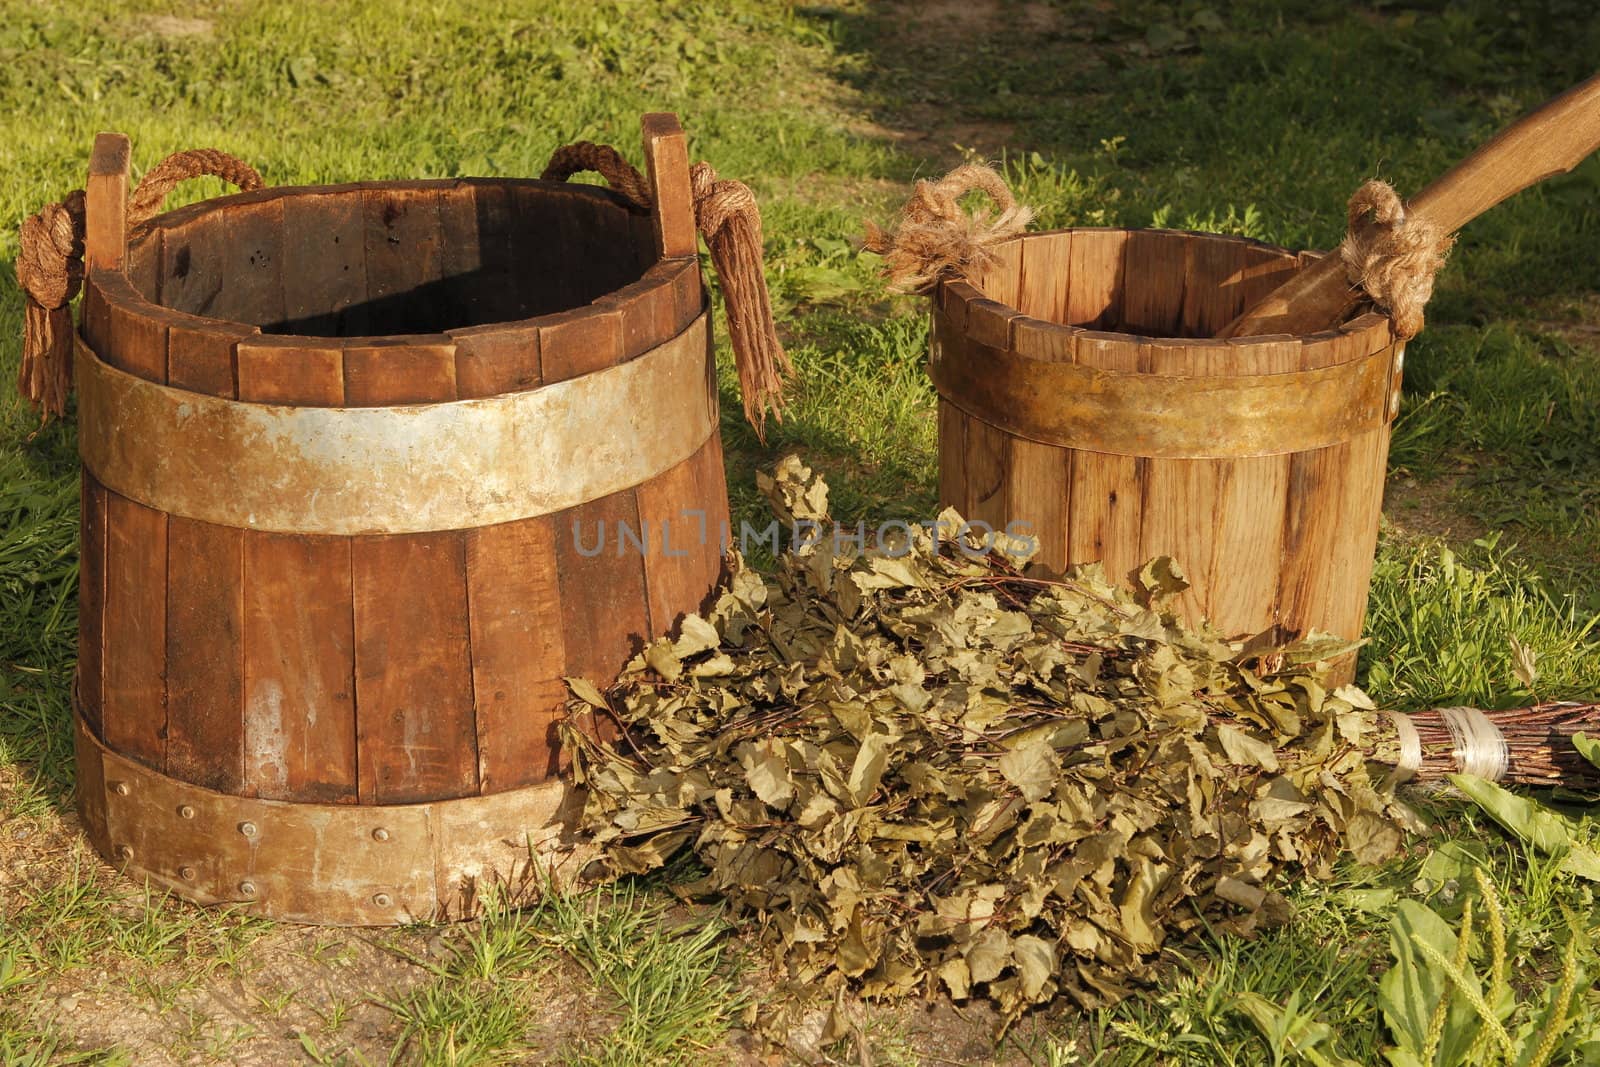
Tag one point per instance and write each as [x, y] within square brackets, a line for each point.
[913, 766]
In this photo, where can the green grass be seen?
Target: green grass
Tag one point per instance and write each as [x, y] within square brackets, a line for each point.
[86, 914]
[663, 989]
[1325, 961]
[1256, 118]
[1442, 622]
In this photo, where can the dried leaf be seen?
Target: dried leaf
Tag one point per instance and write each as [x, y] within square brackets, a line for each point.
[1247, 751]
[1031, 768]
[1371, 839]
[1524, 662]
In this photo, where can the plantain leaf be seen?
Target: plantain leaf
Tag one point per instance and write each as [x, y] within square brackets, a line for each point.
[1588, 747]
[1533, 824]
[1410, 990]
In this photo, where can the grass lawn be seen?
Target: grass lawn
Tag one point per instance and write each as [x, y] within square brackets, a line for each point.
[1254, 118]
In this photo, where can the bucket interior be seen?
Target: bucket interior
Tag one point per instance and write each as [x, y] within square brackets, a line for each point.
[393, 258]
[1154, 283]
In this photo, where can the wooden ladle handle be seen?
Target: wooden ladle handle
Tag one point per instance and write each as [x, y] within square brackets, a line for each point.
[1548, 141]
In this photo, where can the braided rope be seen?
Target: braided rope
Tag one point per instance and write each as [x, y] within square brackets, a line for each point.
[179, 167]
[50, 268]
[622, 176]
[727, 215]
[1394, 257]
[935, 238]
[50, 273]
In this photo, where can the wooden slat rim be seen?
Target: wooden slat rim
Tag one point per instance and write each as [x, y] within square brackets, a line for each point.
[403, 468]
[186, 214]
[114, 288]
[958, 297]
[391, 342]
[333, 864]
[1157, 415]
[662, 273]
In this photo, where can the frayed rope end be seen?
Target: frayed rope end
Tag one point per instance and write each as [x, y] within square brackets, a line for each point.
[1393, 256]
[727, 215]
[50, 273]
[936, 239]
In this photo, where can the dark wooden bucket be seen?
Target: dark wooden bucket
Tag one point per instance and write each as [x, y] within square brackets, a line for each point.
[1081, 393]
[368, 469]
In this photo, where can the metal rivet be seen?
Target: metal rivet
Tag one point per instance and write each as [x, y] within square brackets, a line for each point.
[120, 788]
[125, 852]
[185, 811]
[248, 829]
[186, 873]
[247, 889]
[380, 834]
[382, 900]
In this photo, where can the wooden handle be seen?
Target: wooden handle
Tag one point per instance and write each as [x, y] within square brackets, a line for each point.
[105, 241]
[1548, 141]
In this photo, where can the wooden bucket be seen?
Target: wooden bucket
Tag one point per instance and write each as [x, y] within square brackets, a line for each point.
[1081, 394]
[368, 469]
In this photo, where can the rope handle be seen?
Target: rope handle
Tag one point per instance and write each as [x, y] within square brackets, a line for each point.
[726, 214]
[50, 257]
[151, 193]
[1392, 255]
[623, 177]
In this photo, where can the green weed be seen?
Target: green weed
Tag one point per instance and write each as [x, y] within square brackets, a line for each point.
[1442, 624]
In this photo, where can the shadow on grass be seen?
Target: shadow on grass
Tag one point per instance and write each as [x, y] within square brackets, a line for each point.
[1287, 107]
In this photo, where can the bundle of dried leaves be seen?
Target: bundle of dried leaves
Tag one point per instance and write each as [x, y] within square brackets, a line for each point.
[914, 765]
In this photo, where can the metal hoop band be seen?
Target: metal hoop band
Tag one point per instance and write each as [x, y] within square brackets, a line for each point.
[403, 469]
[335, 864]
[1160, 416]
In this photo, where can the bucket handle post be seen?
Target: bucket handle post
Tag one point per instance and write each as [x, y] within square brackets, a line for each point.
[666, 155]
[112, 213]
[87, 232]
[684, 202]
[105, 243]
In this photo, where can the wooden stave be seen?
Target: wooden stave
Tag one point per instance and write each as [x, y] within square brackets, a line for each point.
[135, 693]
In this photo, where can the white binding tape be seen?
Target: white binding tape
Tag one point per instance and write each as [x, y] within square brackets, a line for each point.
[1480, 747]
[1410, 747]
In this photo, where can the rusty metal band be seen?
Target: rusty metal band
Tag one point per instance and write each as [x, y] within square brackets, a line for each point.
[1160, 416]
[402, 469]
[331, 864]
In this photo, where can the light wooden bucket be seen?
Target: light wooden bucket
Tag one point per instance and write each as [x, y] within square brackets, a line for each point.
[1081, 393]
